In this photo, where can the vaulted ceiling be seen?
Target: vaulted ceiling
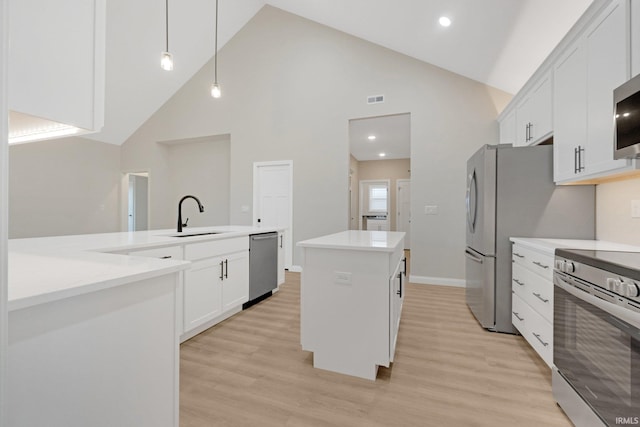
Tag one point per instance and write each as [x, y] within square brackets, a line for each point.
[497, 42]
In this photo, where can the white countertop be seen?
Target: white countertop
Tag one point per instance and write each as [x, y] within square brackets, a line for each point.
[46, 269]
[550, 245]
[385, 241]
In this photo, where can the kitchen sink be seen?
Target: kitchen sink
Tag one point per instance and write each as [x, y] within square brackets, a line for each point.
[195, 234]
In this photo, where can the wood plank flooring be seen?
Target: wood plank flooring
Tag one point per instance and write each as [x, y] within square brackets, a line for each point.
[251, 371]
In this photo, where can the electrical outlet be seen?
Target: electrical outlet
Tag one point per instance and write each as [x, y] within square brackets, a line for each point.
[431, 210]
[635, 209]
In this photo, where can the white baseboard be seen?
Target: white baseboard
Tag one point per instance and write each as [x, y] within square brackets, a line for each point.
[442, 281]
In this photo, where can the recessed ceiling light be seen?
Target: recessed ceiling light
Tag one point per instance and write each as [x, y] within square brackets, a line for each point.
[444, 21]
[371, 137]
[382, 154]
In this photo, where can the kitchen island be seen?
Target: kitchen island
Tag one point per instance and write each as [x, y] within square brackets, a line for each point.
[95, 323]
[352, 289]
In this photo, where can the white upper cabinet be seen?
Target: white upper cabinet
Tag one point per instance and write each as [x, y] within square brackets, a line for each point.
[57, 60]
[508, 128]
[533, 114]
[595, 64]
[530, 121]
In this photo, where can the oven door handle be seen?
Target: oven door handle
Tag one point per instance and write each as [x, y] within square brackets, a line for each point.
[628, 316]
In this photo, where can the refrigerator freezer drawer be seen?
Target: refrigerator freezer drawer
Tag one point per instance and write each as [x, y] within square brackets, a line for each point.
[480, 287]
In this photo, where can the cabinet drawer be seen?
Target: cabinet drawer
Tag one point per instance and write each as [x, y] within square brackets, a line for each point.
[213, 248]
[174, 252]
[520, 280]
[540, 296]
[534, 328]
[537, 262]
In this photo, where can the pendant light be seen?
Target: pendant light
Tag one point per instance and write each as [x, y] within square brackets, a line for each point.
[166, 62]
[215, 87]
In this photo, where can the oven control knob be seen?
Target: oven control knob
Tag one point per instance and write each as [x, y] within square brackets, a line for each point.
[631, 289]
[569, 267]
[611, 284]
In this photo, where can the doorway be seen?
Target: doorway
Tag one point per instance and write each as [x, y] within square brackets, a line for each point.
[380, 151]
[273, 200]
[138, 201]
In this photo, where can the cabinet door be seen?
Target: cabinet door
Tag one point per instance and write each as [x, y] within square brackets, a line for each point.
[541, 117]
[523, 121]
[608, 66]
[396, 297]
[570, 111]
[235, 282]
[203, 292]
[508, 128]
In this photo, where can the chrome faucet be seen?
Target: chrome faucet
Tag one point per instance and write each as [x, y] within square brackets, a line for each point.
[200, 207]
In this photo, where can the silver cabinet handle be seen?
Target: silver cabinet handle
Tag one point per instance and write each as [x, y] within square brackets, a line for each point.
[539, 297]
[473, 257]
[540, 339]
[541, 265]
[221, 270]
[518, 282]
[518, 255]
[518, 317]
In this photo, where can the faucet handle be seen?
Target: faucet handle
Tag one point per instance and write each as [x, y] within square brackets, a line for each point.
[185, 223]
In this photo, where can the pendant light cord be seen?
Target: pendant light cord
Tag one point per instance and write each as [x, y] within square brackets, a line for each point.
[166, 15]
[215, 61]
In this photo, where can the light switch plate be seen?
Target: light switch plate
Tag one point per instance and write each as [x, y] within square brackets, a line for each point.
[342, 277]
[431, 210]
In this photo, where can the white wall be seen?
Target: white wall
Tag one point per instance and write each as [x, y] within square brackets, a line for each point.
[613, 211]
[290, 87]
[66, 186]
[4, 211]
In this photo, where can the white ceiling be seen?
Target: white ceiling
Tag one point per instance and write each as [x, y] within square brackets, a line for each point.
[392, 137]
[498, 42]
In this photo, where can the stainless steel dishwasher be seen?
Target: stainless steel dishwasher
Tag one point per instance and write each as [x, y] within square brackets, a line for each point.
[263, 266]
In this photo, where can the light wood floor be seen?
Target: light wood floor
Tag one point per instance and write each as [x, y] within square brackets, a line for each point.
[251, 371]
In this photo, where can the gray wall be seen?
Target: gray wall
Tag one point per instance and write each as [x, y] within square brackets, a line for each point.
[200, 168]
[290, 87]
[66, 186]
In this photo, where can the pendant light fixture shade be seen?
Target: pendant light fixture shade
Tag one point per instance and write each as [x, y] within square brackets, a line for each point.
[215, 90]
[215, 87]
[166, 61]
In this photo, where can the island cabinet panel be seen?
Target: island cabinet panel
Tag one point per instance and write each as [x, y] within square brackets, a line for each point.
[351, 300]
[105, 358]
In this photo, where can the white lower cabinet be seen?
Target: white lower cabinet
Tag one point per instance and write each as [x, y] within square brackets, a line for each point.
[532, 298]
[217, 284]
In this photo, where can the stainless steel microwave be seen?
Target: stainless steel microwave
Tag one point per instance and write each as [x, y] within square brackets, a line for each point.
[626, 105]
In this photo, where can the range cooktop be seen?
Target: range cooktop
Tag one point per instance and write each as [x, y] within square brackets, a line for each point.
[622, 263]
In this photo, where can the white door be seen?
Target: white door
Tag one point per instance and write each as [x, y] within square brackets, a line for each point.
[138, 202]
[403, 200]
[273, 199]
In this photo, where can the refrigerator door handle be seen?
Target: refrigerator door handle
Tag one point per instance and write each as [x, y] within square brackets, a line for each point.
[472, 201]
[472, 257]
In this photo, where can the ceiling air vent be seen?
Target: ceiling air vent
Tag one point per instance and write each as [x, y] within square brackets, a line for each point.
[375, 99]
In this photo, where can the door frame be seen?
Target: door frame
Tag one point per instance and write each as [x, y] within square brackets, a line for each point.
[288, 235]
[398, 182]
[4, 208]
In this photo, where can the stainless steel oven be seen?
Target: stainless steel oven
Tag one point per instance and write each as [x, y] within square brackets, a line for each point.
[596, 373]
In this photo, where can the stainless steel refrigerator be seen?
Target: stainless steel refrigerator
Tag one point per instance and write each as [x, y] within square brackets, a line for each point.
[510, 193]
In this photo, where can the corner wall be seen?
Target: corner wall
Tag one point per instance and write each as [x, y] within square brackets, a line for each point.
[290, 87]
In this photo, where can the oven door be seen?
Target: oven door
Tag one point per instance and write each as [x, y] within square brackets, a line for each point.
[597, 350]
